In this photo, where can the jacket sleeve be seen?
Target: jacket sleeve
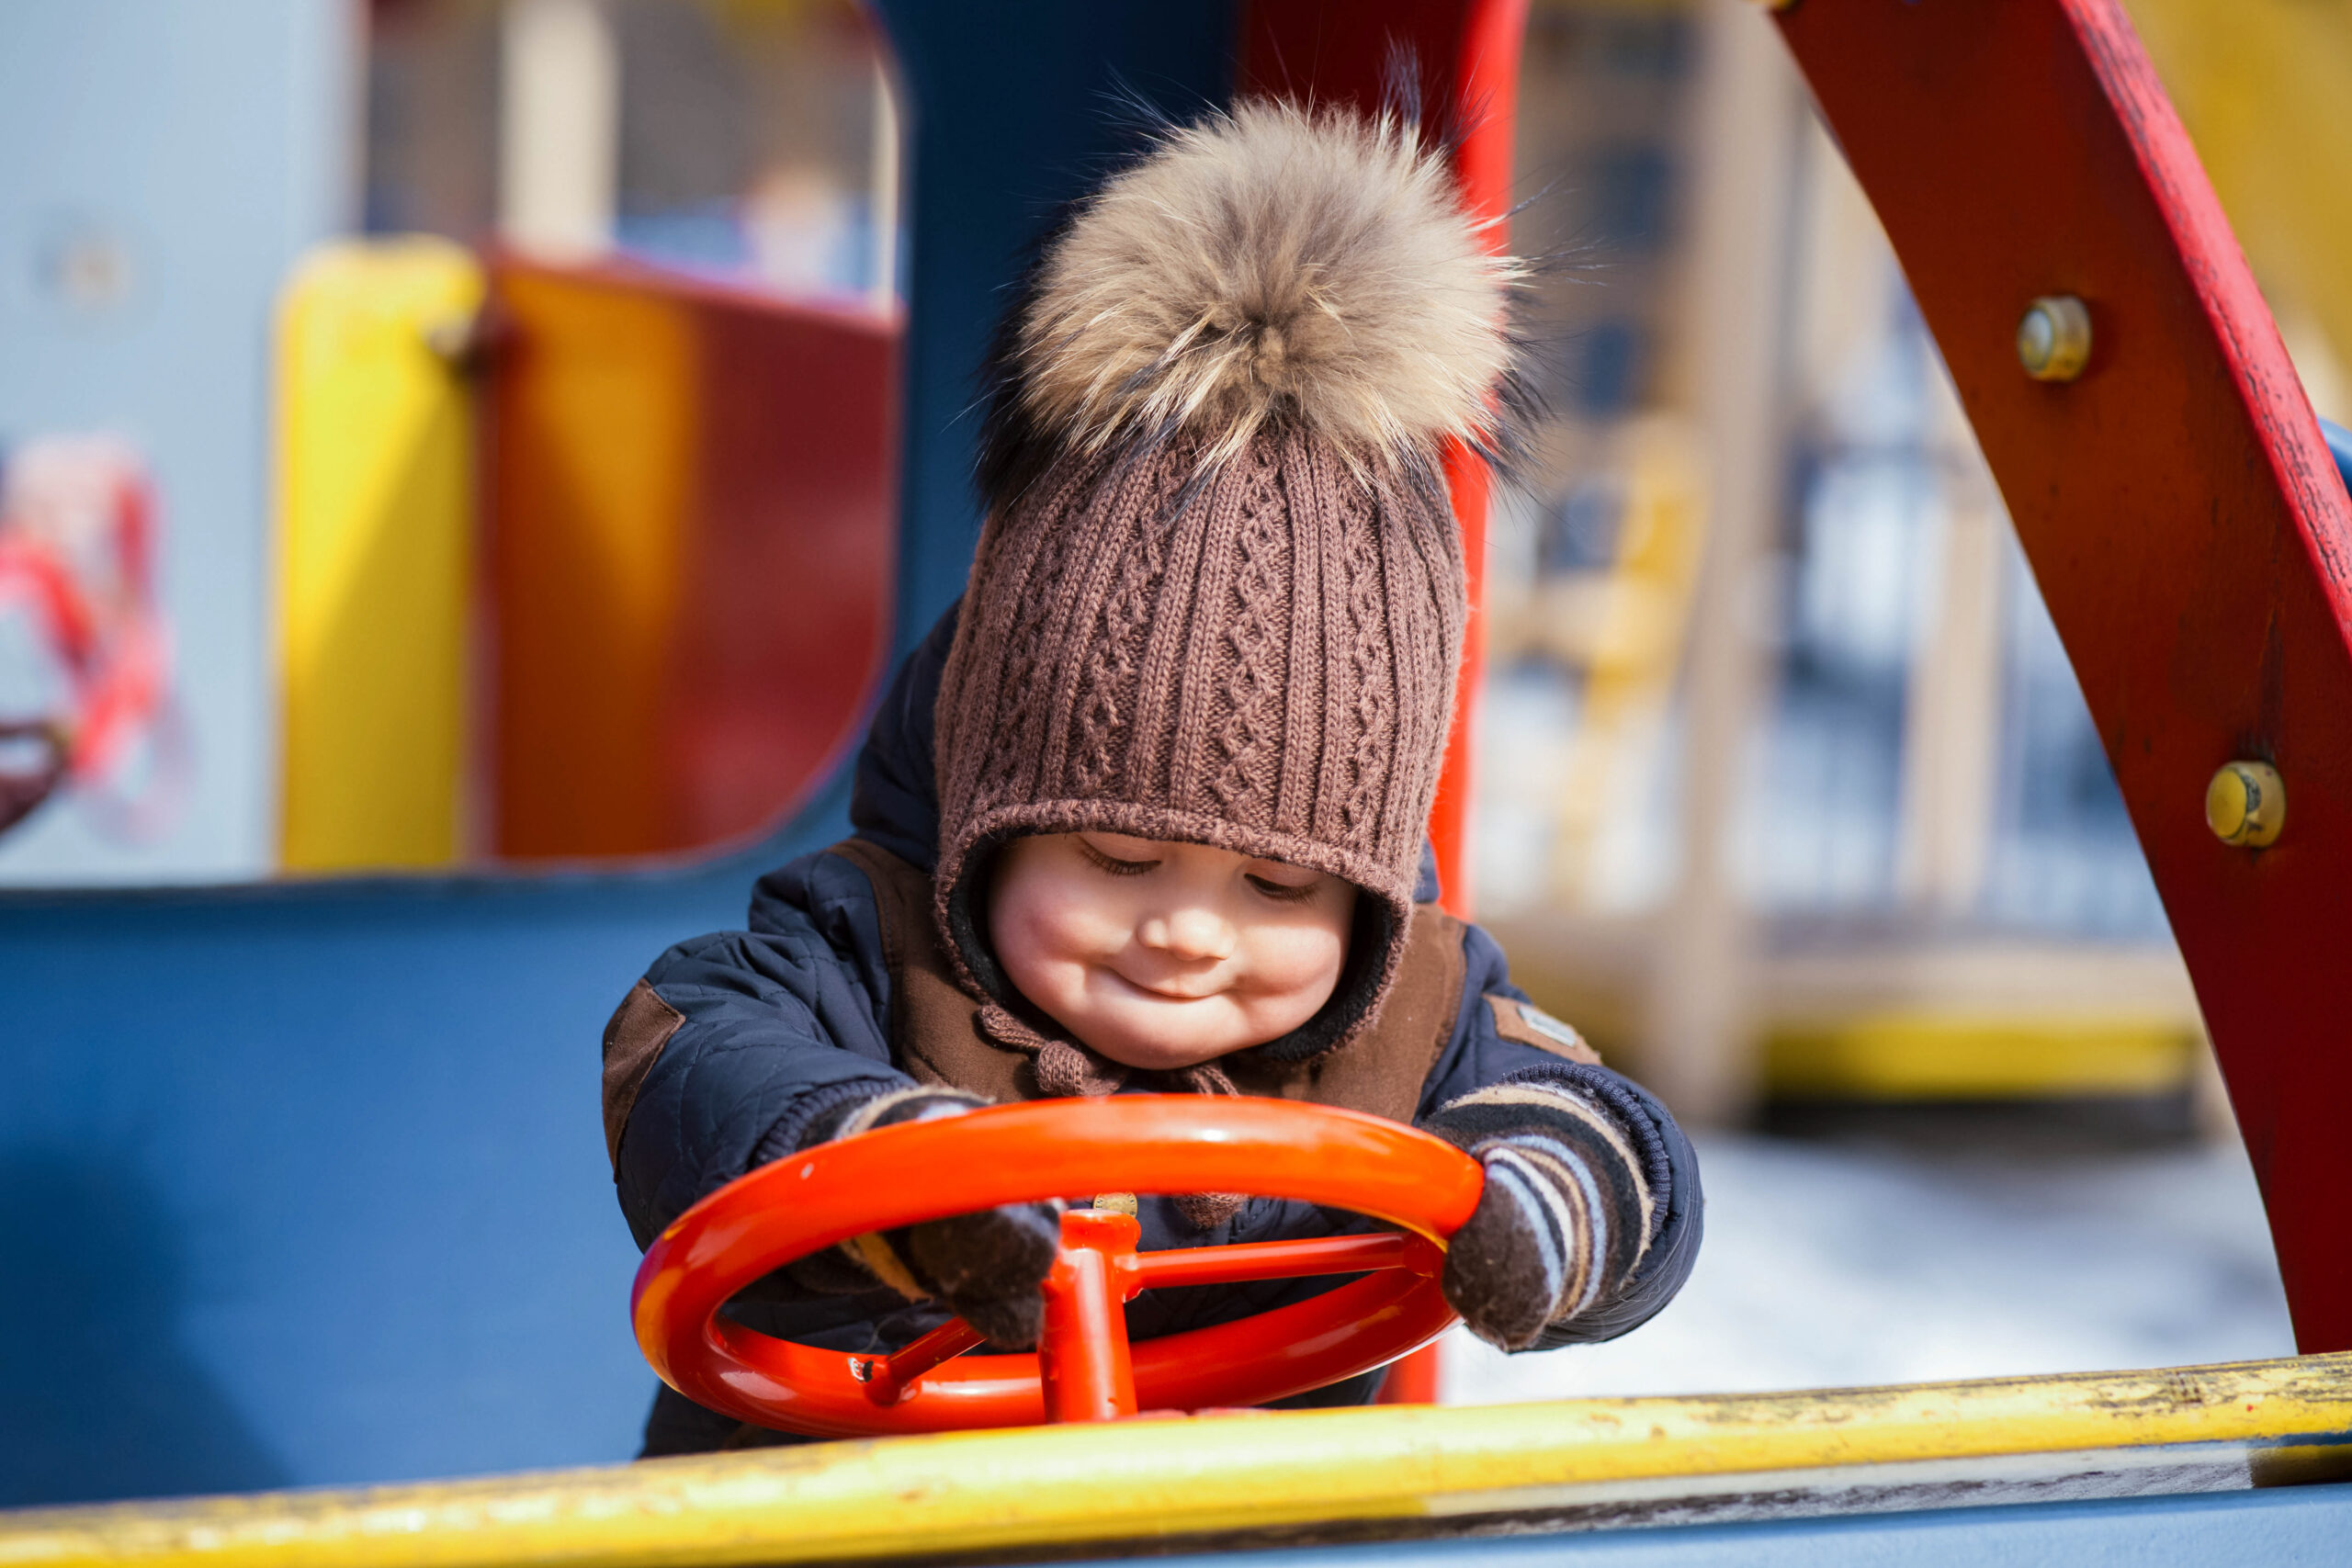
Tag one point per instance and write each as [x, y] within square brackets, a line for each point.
[1481, 1064]
[743, 1042]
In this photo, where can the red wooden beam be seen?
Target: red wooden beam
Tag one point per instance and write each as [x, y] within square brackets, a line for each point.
[2176, 504]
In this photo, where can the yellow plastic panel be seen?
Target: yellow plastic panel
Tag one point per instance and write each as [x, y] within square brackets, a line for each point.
[1930, 1056]
[1052, 1489]
[375, 539]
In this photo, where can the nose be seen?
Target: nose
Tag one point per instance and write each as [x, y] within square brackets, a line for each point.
[1188, 932]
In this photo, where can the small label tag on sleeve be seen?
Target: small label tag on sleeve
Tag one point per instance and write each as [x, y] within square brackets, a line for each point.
[1532, 1026]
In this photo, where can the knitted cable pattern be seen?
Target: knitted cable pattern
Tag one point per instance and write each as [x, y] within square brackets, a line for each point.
[1253, 680]
[1369, 658]
[1104, 744]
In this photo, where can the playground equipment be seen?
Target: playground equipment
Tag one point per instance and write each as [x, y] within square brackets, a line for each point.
[2176, 498]
[77, 550]
[1083, 1368]
[580, 620]
[2188, 527]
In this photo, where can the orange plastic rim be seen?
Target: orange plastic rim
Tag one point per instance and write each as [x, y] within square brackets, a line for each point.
[1061, 1148]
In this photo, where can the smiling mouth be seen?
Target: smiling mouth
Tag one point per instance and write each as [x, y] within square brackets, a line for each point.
[1158, 995]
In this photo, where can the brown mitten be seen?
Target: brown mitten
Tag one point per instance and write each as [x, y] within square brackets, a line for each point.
[989, 1267]
[1565, 1217]
[986, 1266]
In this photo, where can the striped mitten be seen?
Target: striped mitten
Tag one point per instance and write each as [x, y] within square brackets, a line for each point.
[986, 1266]
[1568, 1211]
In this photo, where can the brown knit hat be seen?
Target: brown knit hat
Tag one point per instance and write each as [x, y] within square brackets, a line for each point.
[1219, 596]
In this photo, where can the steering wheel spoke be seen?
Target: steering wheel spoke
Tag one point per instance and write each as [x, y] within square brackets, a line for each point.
[888, 1379]
[1288, 1261]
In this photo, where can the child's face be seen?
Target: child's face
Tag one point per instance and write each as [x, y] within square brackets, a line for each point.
[1160, 954]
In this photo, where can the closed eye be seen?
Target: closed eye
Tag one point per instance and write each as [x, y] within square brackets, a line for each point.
[1112, 863]
[1282, 891]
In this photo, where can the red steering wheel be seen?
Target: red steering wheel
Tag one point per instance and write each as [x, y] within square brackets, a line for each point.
[1084, 1368]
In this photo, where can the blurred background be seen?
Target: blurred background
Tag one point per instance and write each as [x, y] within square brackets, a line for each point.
[462, 442]
[1786, 794]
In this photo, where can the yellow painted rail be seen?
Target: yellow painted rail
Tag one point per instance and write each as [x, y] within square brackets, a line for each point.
[1063, 1486]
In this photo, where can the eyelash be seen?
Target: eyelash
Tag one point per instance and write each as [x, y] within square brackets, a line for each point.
[1116, 867]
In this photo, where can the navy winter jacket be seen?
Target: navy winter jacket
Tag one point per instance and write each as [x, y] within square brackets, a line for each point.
[789, 1020]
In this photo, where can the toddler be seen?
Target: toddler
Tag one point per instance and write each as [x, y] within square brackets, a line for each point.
[1146, 810]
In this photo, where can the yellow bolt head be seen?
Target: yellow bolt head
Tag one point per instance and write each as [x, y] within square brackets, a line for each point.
[2054, 338]
[2246, 803]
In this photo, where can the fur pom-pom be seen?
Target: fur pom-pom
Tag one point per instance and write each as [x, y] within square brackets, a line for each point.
[1273, 264]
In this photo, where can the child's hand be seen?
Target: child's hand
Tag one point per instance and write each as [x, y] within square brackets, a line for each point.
[1502, 1269]
[1565, 1217]
[988, 1267]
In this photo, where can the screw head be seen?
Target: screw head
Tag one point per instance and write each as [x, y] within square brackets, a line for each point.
[2054, 338]
[2246, 803]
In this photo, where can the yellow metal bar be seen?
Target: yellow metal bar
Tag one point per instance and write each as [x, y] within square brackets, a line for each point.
[1063, 1486]
[376, 541]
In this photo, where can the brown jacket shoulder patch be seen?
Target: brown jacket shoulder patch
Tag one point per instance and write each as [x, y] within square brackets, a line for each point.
[642, 1025]
[1530, 1025]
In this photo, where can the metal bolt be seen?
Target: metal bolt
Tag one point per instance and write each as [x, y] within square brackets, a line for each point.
[459, 342]
[2246, 803]
[2054, 338]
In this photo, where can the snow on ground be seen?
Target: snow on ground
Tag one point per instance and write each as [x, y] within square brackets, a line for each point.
[1834, 1264]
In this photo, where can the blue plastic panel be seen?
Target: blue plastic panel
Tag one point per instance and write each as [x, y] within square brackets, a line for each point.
[2300, 1528]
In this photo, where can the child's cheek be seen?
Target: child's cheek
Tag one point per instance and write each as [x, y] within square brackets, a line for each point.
[1085, 916]
[1297, 961]
[1045, 928]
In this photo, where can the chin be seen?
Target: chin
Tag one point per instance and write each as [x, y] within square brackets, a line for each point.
[1158, 1055]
